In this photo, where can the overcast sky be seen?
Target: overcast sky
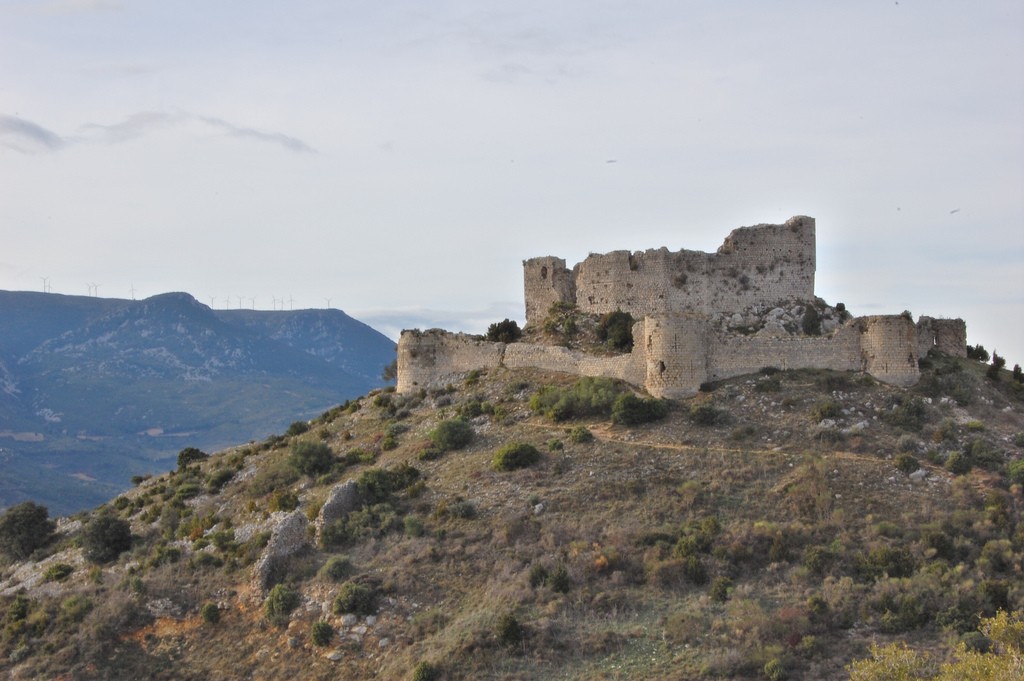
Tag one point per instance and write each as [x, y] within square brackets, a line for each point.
[402, 158]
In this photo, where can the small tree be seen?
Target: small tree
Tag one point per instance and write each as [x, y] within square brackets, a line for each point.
[997, 364]
[189, 456]
[106, 537]
[390, 371]
[506, 331]
[811, 322]
[23, 529]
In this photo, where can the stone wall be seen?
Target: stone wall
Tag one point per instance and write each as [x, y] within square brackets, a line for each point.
[948, 336]
[673, 355]
[738, 355]
[436, 357]
[889, 345]
[677, 295]
[755, 266]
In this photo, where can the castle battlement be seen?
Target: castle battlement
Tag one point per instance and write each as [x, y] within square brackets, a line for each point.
[685, 301]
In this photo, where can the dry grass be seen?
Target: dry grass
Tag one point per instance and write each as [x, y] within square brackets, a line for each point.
[611, 517]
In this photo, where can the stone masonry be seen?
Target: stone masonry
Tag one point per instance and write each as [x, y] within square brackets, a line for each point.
[679, 298]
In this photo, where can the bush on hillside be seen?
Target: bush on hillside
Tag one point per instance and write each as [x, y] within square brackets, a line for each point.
[630, 410]
[355, 599]
[279, 604]
[451, 434]
[106, 537]
[587, 397]
[189, 456]
[515, 455]
[311, 458]
[24, 528]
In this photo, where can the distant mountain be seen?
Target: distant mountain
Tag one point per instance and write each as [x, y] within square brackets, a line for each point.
[93, 391]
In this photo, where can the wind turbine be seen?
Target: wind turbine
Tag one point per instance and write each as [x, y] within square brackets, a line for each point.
[240, 298]
[212, 298]
[328, 303]
[274, 304]
[253, 301]
[291, 302]
[46, 284]
[133, 291]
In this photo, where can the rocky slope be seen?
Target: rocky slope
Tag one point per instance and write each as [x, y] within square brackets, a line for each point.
[770, 528]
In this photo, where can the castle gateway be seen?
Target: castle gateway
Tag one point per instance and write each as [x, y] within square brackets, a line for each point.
[702, 317]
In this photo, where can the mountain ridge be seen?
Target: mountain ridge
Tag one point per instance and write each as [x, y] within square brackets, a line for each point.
[83, 378]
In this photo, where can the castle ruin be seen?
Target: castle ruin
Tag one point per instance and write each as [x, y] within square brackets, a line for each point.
[702, 317]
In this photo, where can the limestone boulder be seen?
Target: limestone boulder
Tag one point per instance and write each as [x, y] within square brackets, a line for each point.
[288, 537]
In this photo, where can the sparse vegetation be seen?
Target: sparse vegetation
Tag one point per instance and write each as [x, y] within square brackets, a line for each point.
[721, 541]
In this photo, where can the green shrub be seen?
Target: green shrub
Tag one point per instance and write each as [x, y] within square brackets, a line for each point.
[538, 575]
[907, 464]
[773, 669]
[279, 604]
[210, 613]
[885, 560]
[189, 456]
[958, 463]
[24, 528]
[825, 409]
[515, 455]
[705, 414]
[378, 484]
[810, 323]
[908, 413]
[413, 526]
[336, 569]
[615, 329]
[559, 580]
[283, 500]
[508, 630]
[297, 428]
[1015, 471]
[58, 572]
[720, 587]
[321, 633]
[580, 434]
[311, 458]
[589, 396]
[424, 671]
[106, 537]
[451, 435]
[218, 479]
[506, 331]
[630, 410]
[356, 599]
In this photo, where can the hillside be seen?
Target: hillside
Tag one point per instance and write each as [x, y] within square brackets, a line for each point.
[773, 527]
[97, 390]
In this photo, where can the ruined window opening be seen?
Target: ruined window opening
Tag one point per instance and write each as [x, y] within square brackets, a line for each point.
[661, 367]
[544, 272]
